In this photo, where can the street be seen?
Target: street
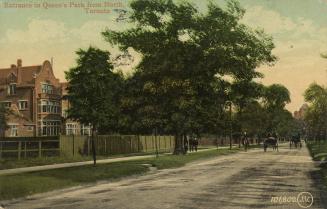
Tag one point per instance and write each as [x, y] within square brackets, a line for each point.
[244, 180]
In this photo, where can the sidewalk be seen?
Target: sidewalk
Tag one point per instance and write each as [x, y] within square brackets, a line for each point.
[65, 165]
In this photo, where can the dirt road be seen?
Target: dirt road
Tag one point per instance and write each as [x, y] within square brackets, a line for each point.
[251, 179]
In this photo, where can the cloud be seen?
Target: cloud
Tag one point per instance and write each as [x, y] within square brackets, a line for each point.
[278, 25]
[43, 39]
[299, 43]
[38, 31]
[47, 31]
[270, 20]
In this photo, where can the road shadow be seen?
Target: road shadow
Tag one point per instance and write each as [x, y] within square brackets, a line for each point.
[318, 182]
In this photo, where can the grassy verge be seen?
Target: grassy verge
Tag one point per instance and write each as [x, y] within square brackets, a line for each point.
[20, 185]
[318, 151]
[28, 162]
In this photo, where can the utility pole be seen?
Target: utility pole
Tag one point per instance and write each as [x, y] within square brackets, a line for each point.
[231, 125]
[155, 138]
[229, 103]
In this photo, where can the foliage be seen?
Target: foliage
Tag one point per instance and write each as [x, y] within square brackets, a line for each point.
[276, 96]
[185, 53]
[263, 110]
[93, 89]
[316, 116]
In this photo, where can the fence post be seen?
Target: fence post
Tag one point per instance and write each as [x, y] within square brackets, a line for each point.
[138, 143]
[40, 148]
[88, 145]
[131, 144]
[146, 146]
[0, 149]
[170, 146]
[19, 149]
[105, 145]
[73, 145]
[25, 147]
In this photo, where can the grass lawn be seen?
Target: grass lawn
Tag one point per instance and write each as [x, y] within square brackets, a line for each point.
[318, 152]
[20, 185]
[10, 163]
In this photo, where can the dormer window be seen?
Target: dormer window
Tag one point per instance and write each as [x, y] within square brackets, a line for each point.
[11, 90]
[47, 88]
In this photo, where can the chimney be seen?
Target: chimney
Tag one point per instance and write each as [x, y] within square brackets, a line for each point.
[19, 63]
[12, 66]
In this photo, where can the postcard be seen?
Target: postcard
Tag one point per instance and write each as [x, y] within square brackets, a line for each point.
[138, 104]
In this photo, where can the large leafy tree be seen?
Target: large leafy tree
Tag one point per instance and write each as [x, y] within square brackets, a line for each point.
[245, 93]
[275, 97]
[316, 116]
[93, 91]
[183, 51]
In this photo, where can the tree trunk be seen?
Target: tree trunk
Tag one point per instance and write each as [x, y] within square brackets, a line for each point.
[178, 144]
[93, 147]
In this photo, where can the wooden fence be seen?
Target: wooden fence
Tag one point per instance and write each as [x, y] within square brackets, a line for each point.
[25, 147]
[115, 144]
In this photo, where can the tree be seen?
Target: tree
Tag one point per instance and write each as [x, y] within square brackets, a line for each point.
[253, 119]
[184, 55]
[3, 120]
[316, 116]
[93, 91]
[276, 96]
[244, 94]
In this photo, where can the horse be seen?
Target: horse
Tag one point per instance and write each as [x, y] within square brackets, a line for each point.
[295, 140]
[270, 141]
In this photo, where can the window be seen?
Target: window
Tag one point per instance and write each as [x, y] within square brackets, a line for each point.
[47, 88]
[30, 128]
[86, 130]
[71, 129]
[11, 90]
[49, 127]
[49, 106]
[13, 130]
[22, 105]
[7, 104]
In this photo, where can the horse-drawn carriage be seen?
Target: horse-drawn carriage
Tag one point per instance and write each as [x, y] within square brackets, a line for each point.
[296, 141]
[270, 142]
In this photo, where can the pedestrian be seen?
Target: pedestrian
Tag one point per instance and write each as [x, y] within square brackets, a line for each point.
[191, 143]
[245, 141]
[196, 143]
[185, 145]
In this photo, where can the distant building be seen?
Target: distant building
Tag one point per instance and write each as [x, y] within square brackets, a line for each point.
[299, 115]
[71, 127]
[33, 94]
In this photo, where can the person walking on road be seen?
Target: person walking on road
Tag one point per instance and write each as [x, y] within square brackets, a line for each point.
[246, 141]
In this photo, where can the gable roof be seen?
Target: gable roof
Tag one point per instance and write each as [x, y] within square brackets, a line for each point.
[25, 75]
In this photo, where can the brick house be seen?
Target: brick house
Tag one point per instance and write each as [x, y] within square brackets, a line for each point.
[33, 94]
[71, 127]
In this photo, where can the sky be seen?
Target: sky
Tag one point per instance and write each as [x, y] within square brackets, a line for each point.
[45, 29]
